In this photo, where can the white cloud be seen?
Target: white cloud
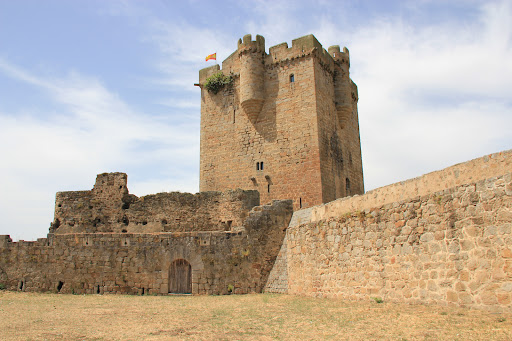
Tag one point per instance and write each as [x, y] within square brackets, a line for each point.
[430, 96]
[91, 131]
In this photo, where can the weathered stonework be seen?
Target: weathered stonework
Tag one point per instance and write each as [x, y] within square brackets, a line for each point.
[287, 126]
[109, 207]
[238, 260]
[451, 246]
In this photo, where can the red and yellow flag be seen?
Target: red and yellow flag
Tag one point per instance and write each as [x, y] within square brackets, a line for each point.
[211, 56]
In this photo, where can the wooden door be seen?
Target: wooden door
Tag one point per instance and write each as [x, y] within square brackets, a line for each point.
[180, 277]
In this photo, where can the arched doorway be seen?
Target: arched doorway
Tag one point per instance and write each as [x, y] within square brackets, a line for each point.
[180, 277]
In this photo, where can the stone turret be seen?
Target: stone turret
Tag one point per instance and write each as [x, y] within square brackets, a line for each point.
[252, 75]
[342, 84]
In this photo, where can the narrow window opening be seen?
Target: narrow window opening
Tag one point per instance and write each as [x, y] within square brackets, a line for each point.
[234, 111]
[292, 78]
[347, 186]
[143, 291]
[21, 286]
[97, 289]
[257, 166]
[300, 202]
[59, 286]
[261, 165]
[268, 188]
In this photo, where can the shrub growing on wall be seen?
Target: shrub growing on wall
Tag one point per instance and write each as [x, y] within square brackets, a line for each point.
[217, 81]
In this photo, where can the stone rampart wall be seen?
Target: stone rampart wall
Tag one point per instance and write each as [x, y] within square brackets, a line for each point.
[463, 173]
[451, 246]
[133, 263]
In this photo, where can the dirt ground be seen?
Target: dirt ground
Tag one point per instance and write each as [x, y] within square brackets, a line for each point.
[31, 316]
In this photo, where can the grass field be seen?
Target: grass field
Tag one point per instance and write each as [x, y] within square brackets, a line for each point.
[31, 316]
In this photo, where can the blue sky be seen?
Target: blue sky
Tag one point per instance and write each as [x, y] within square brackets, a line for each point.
[97, 86]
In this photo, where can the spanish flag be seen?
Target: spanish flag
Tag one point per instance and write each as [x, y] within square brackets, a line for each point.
[211, 56]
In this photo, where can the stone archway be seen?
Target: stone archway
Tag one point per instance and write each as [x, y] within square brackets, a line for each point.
[180, 277]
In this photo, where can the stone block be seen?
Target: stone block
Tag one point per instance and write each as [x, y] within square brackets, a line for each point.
[488, 297]
[508, 189]
[427, 237]
[459, 286]
[504, 298]
[504, 215]
[506, 253]
[472, 231]
[465, 298]
[466, 245]
[452, 296]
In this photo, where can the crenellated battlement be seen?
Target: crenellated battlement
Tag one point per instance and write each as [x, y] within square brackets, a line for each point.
[248, 45]
[341, 57]
[280, 54]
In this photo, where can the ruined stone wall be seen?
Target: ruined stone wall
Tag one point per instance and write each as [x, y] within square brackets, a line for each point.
[109, 207]
[133, 263]
[270, 115]
[452, 246]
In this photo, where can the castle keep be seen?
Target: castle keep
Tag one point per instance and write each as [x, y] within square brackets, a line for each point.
[283, 133]
[287, 126]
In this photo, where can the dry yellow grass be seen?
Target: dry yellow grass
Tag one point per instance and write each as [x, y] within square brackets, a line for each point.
[31, 316]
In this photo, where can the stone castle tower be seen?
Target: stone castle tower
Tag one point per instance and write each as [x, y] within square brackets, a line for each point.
[287, 125]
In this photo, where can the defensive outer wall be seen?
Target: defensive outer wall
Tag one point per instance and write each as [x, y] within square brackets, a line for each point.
[444, 237]
[109, 241]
